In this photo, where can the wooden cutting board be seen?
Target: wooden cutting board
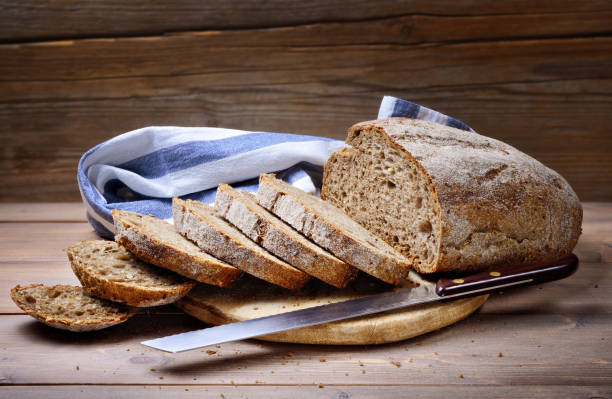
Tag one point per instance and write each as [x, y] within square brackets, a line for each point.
[251, 298]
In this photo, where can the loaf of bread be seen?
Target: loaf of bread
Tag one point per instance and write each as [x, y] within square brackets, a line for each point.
[200, 223]
[68, 307]
[242, 210]
[157, 242]
[451, 200]
[107, 270]
[332, 229]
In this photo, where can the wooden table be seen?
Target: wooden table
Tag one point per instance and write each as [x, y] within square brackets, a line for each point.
[548, 341]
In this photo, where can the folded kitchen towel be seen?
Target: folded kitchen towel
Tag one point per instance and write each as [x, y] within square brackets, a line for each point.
[142, 170]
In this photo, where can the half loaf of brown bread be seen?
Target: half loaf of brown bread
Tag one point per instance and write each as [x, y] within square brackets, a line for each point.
[449, 199]
[157, 242]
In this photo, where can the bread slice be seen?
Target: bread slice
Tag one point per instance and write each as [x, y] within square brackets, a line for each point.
[242, 210]
[109, 271]
[157, 242]
[332, 229]
[200, 223]
[69, 307]
[451, 200]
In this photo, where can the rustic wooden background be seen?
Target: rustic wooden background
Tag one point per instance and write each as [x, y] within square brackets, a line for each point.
[74, 73]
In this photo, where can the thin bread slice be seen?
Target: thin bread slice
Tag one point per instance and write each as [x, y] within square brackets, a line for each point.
[68, 307]
[200, 223]
[242, 210]
[109, 271]
[156, 241]
[332, 229]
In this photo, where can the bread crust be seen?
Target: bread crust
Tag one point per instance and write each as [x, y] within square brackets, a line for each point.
[154, 250]
[262, 227]
[212, 239]
[129, 293]
[386, 265]
[66, 323]
[496, 205]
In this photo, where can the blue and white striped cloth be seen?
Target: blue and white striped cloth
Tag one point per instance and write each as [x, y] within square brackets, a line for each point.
[142, 170]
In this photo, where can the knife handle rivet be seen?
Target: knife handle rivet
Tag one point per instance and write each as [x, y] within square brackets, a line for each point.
[495, 274]
[458, 281]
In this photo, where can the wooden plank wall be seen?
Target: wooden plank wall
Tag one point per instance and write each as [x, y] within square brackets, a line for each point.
[537, 75]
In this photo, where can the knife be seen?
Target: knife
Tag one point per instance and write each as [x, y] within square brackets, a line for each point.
[445, 290]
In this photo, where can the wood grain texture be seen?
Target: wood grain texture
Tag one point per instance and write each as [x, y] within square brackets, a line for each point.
[42, 212]
[336, 391]
[27, 242]
[31, 19]
[536, 349]
[548, 97]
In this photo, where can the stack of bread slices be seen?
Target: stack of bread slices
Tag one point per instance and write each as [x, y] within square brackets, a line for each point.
[405, 193]
[281, 235]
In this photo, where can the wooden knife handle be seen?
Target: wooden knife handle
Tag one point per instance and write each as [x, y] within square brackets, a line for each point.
[508, 276]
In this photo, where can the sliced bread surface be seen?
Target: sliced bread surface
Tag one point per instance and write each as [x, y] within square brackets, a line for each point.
[332, 229]
[108, 270]
[68, 307]
[157, 242]
[200, 223]
[242, 210]
[451, 200]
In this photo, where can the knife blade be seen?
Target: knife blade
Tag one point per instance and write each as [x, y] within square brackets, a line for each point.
[445, 290]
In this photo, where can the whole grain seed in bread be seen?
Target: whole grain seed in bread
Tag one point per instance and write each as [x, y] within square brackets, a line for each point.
[242, 210]
[449, 199]
[107, 270]
[68, 307]
[157, 242]
[200, 223]
[332, 229]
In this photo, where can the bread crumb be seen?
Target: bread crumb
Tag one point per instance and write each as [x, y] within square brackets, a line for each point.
[410, 360]
[78, 368]
[322, 360]
[500, 354]
[255, 308]
[153, 369]
[223, 396]
[320, 385]
[127, 350]
[360, 363]
[346, 374]
[290, 354]
[396, 364]
[161, 377]
[210, 352]
[461, 376]
[362, 371]
[186, 389]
